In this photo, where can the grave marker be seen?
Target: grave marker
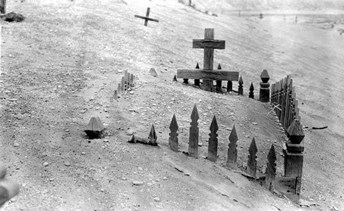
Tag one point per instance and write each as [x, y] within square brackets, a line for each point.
[194, 134]
[232, 154]
[213, 141]
[147, 18]
[208, 74]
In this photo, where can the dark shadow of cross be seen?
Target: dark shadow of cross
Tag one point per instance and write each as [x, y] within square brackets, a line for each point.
[147, 18]
[208, 74]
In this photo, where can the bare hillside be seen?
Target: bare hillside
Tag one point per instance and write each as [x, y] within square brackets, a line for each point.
[62, 64]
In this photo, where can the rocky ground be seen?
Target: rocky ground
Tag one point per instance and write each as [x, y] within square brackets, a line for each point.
[62, 64]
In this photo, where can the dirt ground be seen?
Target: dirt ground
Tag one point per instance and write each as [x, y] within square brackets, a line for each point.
[62, 64]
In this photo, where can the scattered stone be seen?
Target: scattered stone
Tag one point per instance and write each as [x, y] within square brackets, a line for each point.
[165, 178]
[254, 123]
[106, 140]
[45, 164]
[51, 179]
[157, 199]
[137, 183]
[67, 163]
[16, 144]
[153, 72]
[130, 132]
[141, 169]
[102, 190]
[13, 17]
[83, 153]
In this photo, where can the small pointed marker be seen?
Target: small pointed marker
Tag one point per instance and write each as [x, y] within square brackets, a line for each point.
[194, 114]
[197, 66]
[219, 67]
[152, 135]
[174, 78]
[94, 128]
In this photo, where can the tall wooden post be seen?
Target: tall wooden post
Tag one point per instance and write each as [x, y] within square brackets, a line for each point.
[293, 155]
[2, 6]
[213, 141]
[264, 92]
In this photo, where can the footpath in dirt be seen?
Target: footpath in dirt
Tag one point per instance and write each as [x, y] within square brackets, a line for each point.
[61, 66]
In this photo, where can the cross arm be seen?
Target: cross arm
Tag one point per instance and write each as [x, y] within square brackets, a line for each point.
[208, 75]
[215, 44]
[147, 18]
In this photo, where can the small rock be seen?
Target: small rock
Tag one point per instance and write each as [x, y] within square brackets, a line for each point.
[153, 72]
[157, 199]
[137, 183]
[51, 179]
[102, 190]
[141, 169]
[149, 184]
[130, 132]
[200, 144]
[254, 123]
[67, 130]
[16, 144]
[83, 153]
[165, 178]
[123, 178]
[131, 92]
[106, 140]
[45, 164]
[67, 163]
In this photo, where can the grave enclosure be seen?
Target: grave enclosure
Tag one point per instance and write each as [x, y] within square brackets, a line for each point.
[283, 103]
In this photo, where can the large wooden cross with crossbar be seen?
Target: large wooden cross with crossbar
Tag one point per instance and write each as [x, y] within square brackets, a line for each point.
[208, 74]
[147, 18]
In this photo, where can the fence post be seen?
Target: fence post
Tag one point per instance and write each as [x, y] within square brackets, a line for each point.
[2, 6]
[197, 81]
[213, 141]
[240, 89]
[264, 92]
[194, 134]
[293, 154]
[251, 93]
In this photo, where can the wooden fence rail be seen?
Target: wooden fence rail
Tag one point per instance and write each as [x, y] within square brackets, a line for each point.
[283, 98]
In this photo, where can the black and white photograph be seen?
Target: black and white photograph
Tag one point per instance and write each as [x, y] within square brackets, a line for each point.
[172, 105]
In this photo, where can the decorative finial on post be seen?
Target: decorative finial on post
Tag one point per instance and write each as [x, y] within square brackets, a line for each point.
[197, 81]
[252, 159]
[240, 89]
[251, 93]
[270, 172]
[264, 93]
[173, 140]
[219, 82]
[293, 154]
[232, 154]
[194, 134]
[213, 141]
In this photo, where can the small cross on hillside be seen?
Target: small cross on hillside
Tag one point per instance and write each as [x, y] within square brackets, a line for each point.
[208, 74]
[147, 18]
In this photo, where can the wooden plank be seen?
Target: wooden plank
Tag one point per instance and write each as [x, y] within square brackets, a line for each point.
[146, 18]
[210, 75]
[208, 59]
[208, 43]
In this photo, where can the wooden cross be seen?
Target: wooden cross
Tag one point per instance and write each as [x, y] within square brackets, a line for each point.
[208, 74]
[147, 18]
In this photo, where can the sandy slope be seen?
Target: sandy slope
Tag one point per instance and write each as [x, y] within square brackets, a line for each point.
[62, 64]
